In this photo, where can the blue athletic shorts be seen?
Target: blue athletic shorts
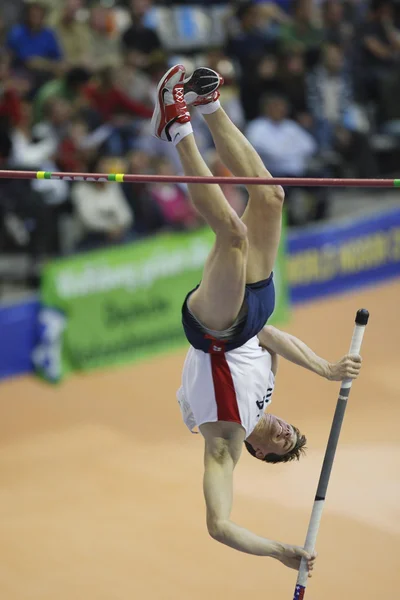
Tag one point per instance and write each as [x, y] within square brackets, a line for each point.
[260, 300]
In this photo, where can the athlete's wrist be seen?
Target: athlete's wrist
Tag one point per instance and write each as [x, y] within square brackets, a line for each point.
[276, 549]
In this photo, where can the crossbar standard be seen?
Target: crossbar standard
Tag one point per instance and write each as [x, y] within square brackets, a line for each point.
[139, 178]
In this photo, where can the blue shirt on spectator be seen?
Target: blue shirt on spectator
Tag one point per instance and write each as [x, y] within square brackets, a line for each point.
[26, 44]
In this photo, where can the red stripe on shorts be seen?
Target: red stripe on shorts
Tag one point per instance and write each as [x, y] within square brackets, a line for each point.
[224, 389]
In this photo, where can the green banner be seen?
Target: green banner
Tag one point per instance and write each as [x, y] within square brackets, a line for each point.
[117, 305]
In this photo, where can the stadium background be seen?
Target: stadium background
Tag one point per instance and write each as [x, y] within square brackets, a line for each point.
[100, 482]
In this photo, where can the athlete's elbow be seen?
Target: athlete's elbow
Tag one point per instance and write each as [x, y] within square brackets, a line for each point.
[217, 530]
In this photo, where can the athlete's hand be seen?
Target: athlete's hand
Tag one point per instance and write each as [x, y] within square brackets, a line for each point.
[291, 557]
[347, 367]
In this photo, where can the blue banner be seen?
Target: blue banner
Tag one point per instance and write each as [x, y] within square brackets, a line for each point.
[341, 256]
[18, 326]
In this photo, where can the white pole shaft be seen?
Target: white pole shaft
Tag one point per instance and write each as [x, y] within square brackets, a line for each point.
[316, 514]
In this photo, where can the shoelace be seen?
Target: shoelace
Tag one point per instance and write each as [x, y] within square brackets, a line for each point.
[179, 96]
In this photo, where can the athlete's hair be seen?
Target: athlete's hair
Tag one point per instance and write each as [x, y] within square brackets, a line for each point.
[294, 454]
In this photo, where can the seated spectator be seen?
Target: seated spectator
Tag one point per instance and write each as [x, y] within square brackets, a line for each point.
[172, 200]
[283, 145]
[70, 87]
[10, 103]
[301, 34]
[254, 85]
[137, 84]
[101, 209]
[73, 34]
[26, 221]
[104, 39]
[148, 217]
[337, 28]
[26, 150]
[247, 41]
[140, 40]
[379, 51]
[80, 146]
[337, 120]
[34, 46]
[108, 99]
[286, 149]
[116, 108]
[58, 113]
[3, 29]
[292, 76]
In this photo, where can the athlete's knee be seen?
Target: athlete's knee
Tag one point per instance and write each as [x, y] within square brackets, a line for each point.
[274, 196]
[234, 233]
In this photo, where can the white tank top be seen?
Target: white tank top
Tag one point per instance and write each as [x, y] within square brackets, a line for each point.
[234, 386]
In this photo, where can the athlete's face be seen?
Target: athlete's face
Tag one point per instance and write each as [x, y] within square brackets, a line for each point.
[279, 437]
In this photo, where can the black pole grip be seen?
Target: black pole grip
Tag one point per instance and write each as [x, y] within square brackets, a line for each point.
[362, 316]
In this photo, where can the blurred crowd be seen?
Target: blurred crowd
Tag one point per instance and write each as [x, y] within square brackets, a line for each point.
[314, 84]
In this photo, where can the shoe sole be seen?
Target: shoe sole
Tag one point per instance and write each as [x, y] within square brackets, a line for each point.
[157, 115]
[195, 86]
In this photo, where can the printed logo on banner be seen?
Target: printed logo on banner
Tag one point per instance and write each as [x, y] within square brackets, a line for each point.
[337, 257]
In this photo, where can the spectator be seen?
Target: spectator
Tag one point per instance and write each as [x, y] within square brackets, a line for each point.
[148, 217]
[34, 46]
[119, 110]
[3, 32]
[26, 150]
[142, 42]
[379, 58]
[292, 78]
[337, 28]
[80, 145]
[283, 145]
[108, 99]
[247, 42]
[172, 200]
[70, 87]
[26, 223]
[255, 85]
[338, 122]
[104, 42]
[58, 113]
[301, 34]
[10, 103]
[286, 149]
[135, 82]
[73, 34]
[101, 209]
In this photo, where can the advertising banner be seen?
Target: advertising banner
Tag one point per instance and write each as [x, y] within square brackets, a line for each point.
[341, 256]
[123, 303]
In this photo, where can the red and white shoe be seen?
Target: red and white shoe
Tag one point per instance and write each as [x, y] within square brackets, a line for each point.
[170, 103]
[202, 87]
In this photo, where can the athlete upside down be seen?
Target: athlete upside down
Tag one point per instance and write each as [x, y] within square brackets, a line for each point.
[229, 372]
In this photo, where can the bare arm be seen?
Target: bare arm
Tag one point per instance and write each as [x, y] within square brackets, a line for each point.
[377, 47]
[299, 353]
[223, 446]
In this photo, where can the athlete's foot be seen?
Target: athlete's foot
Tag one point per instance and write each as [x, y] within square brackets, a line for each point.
[170, 106]
[202, 87]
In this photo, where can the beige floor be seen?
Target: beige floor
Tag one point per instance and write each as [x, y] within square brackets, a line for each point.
[100, 483]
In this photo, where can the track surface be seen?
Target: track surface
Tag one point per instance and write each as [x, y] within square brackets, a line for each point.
[100, 482]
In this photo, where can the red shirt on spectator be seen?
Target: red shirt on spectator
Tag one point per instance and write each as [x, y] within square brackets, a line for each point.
[10, 106]
[112, 100]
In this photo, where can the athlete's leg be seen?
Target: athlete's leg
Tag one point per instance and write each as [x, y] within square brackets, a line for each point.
[217, 302]
[263, 214]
